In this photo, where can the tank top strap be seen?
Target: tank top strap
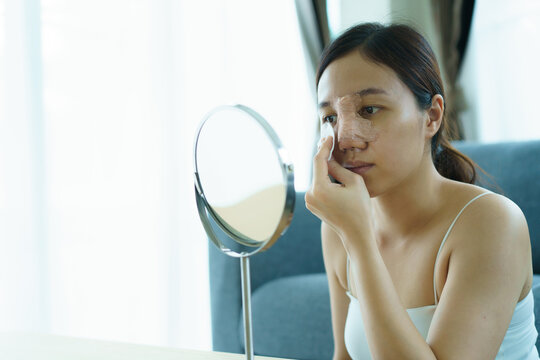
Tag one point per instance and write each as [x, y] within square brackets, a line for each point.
[348, 277]
[446, 236]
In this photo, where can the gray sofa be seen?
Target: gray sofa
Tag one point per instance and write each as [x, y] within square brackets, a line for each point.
[290, 299]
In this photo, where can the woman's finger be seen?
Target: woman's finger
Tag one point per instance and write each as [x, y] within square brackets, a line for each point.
[320, 162]
[341, 174]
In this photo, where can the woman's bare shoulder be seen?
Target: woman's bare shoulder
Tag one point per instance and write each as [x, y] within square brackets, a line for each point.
[492, 228]
[487, 210]
[495, 220]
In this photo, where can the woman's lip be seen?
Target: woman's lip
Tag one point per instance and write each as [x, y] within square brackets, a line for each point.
[361, 169]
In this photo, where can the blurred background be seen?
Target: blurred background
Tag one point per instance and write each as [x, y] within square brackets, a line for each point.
[99, 104]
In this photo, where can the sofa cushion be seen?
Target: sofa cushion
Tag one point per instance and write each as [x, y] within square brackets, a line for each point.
[290, 311]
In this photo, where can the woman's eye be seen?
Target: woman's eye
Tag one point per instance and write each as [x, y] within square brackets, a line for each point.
[369, 110]
[329, 118]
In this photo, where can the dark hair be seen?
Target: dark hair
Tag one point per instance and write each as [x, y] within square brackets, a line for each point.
[405, 51]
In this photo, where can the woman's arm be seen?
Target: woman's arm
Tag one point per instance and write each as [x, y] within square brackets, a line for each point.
[487, 270]
[334, 254]
[489, 265]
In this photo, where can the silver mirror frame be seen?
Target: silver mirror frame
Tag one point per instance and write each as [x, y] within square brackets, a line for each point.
[205, 209]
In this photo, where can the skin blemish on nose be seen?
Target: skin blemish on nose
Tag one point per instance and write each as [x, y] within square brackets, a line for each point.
[351, 126]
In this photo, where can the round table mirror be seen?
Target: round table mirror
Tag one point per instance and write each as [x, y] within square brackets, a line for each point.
[244, 181]
[244, 188]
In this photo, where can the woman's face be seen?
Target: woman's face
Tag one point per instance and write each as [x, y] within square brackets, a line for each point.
[379, 129]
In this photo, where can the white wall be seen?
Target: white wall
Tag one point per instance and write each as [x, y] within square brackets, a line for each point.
[500, 75]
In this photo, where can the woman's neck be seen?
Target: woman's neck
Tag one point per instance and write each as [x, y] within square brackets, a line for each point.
[401, 211]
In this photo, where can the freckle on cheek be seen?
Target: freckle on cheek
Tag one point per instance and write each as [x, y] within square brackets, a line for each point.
[355, 127]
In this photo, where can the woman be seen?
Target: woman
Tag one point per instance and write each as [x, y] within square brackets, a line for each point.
[421, 263]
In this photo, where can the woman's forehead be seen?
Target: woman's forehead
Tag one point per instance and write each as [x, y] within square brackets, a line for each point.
[354, 74]
[353, 97]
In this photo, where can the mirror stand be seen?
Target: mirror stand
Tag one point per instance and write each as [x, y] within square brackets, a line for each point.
[252, 205]
[246, 305]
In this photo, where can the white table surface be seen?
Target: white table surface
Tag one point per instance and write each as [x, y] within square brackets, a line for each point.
[26, 346]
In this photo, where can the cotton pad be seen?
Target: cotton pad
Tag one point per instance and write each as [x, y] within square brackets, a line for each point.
[327, 130]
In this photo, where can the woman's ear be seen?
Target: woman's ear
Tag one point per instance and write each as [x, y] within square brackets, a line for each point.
[435, 115]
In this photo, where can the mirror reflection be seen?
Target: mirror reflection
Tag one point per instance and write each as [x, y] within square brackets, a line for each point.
[240, 174]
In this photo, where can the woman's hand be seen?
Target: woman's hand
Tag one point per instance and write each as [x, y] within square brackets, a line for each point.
[346, 207]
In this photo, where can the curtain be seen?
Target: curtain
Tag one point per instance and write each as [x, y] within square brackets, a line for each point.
[315, 35]
[23, 263]
[94, 205]
[99, 104]
[453, 20]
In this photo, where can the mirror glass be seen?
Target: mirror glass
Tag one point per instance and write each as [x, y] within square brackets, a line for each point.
[241, 173]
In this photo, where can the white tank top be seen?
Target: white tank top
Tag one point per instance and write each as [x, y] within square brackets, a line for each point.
[518, 343]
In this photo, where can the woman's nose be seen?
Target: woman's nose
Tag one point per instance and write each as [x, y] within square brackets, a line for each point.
[352, 134]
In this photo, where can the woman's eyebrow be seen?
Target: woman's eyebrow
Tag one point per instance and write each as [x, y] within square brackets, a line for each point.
[364, 92]
[370, 91]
